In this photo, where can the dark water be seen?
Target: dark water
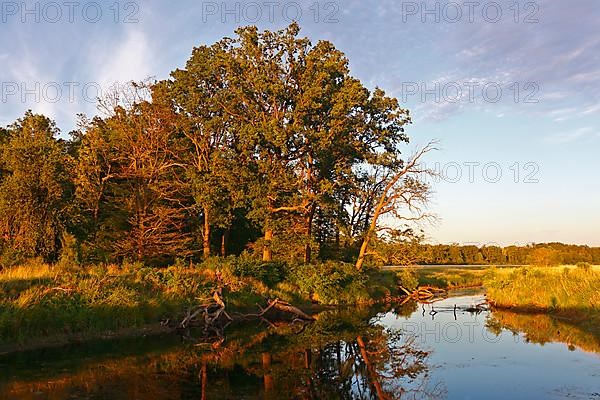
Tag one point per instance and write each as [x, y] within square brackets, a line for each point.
[409, 352]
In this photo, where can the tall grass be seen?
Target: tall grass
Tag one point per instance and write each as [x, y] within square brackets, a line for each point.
[39, 301]
[450, 278]
[551, 289]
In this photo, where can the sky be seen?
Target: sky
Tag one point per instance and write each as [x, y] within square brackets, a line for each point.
[511, 89]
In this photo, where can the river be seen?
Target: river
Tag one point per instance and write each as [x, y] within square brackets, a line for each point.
[414, 351]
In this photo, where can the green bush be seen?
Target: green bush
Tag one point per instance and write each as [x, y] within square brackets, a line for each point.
[331, 282]
[408, 279]
[270, 273]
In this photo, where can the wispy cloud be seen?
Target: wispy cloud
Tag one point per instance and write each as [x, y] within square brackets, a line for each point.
[573, 135]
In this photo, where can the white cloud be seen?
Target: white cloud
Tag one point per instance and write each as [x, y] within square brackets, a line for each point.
[591, 109]
[130, 59]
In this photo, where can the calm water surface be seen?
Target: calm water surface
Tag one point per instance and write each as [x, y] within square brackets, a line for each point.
[409, 352]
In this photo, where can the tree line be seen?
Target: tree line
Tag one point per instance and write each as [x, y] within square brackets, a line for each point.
[405, 252]
[263, 143]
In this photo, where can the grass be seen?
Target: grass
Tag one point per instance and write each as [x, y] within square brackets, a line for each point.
[39, 301]
[450, 278]
[42, 300]
[559, 288]
[567, 294]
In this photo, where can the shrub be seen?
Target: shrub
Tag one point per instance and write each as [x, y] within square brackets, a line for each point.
[331, 282]
[69, 252]
[269, 273]
[408, 279]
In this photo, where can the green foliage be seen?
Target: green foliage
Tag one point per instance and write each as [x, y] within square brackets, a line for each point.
[331, 282]
[408, 279]
[10, 257]
[34, 187]
[69, 252]
[270, 273]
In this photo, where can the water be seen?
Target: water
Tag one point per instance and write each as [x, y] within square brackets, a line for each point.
[409, 352]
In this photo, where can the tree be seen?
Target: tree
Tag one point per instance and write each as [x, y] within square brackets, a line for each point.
[403, 192]
[129, 180]
[305, 125]
[544, 257]
[199, 97]
[94, 176]
[34, 190]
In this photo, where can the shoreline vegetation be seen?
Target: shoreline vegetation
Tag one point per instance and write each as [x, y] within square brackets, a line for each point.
[46, 305]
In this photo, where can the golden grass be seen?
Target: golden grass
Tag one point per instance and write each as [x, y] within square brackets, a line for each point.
[557, 288]
[33, 270]
[451, 278]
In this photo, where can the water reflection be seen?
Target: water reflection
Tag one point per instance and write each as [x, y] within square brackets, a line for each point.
[344, 354]
[543, 329]
[406, 352]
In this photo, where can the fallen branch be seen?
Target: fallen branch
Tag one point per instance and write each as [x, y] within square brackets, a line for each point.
[422, 294]
[288, 308]
[211, 313]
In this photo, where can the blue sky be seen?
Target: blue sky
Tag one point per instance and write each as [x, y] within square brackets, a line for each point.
[446, 61]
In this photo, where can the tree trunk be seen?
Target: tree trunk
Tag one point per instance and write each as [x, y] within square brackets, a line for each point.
[362, 253]
[224, 238]
[381, 395]
[206, 234]
[369, 232]
[309, 223]
[267, 251]
[307, 253]
[372, 227]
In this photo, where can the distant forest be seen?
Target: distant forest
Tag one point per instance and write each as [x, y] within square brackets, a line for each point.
[544, 254]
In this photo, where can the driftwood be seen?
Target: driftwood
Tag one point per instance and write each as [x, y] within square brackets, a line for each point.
[211, 311]
[290, 309]
[212, 314]
[422, 294]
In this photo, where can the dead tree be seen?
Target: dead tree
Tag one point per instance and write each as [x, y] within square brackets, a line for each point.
[403, 191]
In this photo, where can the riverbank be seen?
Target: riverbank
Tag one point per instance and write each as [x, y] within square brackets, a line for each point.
[42, 303]
[568, 294]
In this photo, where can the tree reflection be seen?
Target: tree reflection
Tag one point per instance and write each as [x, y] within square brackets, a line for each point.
[344, 354]
[341, 356]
